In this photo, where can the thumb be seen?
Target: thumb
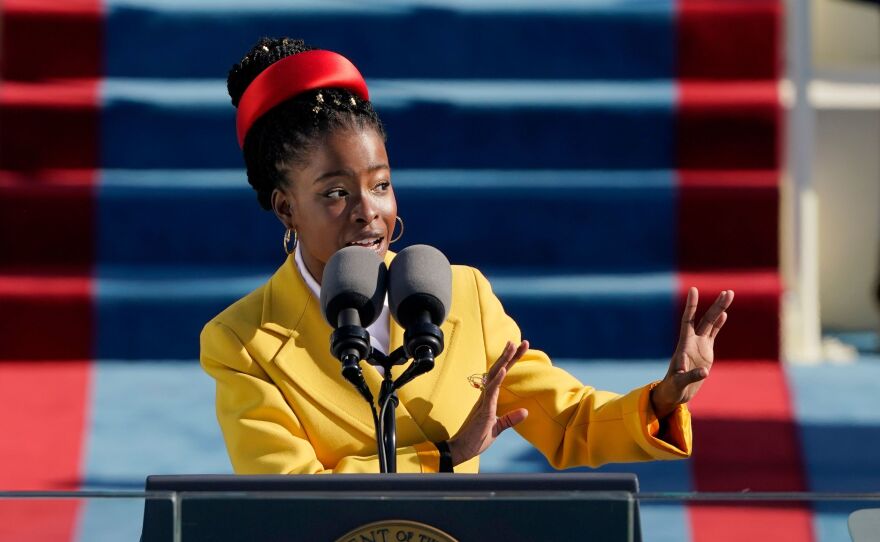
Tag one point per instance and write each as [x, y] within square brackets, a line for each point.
[510, 419]
[689, 377]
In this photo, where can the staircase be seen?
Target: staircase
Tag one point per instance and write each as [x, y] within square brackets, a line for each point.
[594, 159]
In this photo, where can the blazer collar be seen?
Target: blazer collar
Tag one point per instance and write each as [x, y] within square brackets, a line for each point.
[289, 307]
[285, 299]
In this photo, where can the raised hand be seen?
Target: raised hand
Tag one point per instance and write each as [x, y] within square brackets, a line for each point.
[693, 356]
[483, 425]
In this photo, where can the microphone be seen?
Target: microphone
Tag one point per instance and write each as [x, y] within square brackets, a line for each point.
[352, 296]
[419, 295]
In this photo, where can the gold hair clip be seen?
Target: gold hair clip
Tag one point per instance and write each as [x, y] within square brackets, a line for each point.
[265, 48]
[353, 101]
[316, 109]
[319, 98]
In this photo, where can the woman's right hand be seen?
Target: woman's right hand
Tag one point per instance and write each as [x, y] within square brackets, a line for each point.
[483, 425]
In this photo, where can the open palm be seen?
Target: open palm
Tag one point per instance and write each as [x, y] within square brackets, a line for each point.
[693, 357]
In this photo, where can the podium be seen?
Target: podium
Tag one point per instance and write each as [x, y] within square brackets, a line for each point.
[394, 508]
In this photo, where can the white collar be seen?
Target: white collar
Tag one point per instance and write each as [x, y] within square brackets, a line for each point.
[306, 275]
[380, 332]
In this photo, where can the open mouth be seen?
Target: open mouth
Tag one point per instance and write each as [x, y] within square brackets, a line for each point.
[372, 242]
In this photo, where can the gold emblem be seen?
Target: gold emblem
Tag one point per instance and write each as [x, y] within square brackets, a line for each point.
[396, 530]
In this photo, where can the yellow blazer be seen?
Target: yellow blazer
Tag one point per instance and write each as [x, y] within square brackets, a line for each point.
[284, 407]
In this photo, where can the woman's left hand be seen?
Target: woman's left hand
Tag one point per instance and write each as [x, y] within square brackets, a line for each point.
[693, 356]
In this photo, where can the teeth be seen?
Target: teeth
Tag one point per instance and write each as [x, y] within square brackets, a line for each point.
[366, 242]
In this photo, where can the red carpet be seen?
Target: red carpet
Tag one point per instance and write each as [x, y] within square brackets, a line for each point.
[50, 60]
[65, 35]
[747, 441]
[729, 63]
[713, 36]
[49, 125]
[44, 415]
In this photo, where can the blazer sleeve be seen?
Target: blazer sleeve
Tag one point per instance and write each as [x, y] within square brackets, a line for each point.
[572, 424]
[261, 430]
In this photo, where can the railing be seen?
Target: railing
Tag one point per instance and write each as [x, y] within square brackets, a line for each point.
[181, 516]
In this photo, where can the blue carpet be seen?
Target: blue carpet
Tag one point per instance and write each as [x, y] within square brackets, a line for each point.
[838, 412]
[622, 220]
[520, 39]
[158, 313]
[595, 125]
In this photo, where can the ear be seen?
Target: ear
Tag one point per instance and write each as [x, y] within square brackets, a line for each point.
[282, 205]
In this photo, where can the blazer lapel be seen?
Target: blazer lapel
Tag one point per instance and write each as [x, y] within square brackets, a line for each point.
[290, 309]
[418, 394]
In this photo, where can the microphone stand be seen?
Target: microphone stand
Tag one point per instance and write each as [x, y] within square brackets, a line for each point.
[386, 435]
[421, 348]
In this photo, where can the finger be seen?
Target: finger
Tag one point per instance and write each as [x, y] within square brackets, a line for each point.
[682, 380]
[720, 305]
[517, 355]
[510, 419]
[690, 310]
[508, 358]
[495, 382]
[491, 393]
[716, 327]
[711, 314]
[501, 361]
[504, 365]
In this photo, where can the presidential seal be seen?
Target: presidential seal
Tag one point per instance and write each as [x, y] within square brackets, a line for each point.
[396, 530]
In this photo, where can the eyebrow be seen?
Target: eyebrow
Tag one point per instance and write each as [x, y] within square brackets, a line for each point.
[348, 172]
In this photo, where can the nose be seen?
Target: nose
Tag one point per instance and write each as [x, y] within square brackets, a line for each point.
[365, 209]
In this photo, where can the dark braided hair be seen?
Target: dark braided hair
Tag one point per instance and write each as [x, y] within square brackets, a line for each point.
[286, 134]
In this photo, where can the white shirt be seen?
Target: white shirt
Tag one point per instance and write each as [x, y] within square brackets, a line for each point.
[380, 332]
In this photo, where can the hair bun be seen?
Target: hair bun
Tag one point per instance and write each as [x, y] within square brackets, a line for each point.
[286, 134]
[263, 54]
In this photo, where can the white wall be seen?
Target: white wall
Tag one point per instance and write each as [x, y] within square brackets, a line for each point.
[846, 174]
[846, 33]
[847, 183]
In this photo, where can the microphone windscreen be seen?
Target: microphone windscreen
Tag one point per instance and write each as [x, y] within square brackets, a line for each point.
[420, 279]
[354, 278]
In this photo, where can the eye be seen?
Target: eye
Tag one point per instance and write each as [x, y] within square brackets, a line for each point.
[382, 186]
[335, 193]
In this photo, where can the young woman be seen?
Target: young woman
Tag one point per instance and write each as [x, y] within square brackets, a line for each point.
[315, 154]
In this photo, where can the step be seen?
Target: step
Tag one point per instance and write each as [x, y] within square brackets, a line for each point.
[173, 403]
[157, 313]
[615, 220]
[47, 315]
[832, 404]
[638, 315]
[187, 124]
[620, 220]
[589, 221]
[487, 217]
[47, 218]
[50, 125]
[453, 39]
[33, 29]
[474, 124]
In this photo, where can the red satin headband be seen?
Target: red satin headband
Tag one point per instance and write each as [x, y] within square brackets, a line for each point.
[294, 75]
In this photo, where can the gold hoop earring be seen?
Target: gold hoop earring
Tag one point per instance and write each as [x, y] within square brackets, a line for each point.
[399, 235]
[288, 248]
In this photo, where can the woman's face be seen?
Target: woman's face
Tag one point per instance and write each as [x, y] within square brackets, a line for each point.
[340, 196]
